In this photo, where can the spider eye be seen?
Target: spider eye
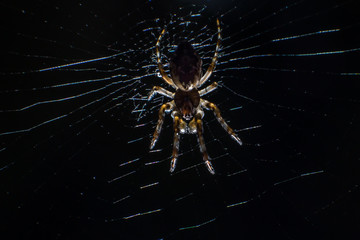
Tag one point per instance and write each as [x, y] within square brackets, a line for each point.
[187, 110]
[187, 117]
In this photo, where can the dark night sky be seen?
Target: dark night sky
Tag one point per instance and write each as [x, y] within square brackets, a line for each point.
[74, 159]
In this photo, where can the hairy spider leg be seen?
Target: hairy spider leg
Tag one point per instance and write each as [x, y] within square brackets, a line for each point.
[209, 105]
[166, 107]
[161, 91]
[177, 122]
[161, 68]
[214, 59]
[208, 89]
[199, 129]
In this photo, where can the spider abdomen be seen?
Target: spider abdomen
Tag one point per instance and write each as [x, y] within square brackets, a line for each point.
[185, 66]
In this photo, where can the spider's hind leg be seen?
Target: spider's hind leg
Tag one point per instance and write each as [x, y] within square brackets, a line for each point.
[208, 89]
[160, 66]
[212, 65]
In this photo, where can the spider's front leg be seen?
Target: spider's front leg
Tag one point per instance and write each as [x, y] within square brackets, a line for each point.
[215, 109]
[164, 108]
[179, 127]
[197, 123]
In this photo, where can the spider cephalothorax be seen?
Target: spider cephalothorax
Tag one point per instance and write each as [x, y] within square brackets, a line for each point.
[187, 102]
[187, 105]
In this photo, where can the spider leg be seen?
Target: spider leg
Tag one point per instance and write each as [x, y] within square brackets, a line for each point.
[215, 109]
[179, 124]
[160, 90]
[199, 129]
[166, 107]
[161, 68]
[208, 89]
[214, 60]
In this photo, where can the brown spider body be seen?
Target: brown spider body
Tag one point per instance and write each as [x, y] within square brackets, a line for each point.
[187, 105]
[187, 102]
[185, 67]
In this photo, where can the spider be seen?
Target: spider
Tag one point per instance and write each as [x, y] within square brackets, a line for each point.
[187, 106]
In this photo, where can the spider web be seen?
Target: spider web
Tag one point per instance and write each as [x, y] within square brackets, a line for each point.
[76, 123]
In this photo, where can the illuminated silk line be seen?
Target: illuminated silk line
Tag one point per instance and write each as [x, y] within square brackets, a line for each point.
[198, 225]
[65, 115]
[283, 39]
[143, 213]
[65, 98]
[81, 62]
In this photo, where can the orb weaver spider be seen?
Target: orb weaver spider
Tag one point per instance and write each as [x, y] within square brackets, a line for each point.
[187, 105]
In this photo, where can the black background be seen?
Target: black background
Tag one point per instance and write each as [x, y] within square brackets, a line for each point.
[56, 180]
